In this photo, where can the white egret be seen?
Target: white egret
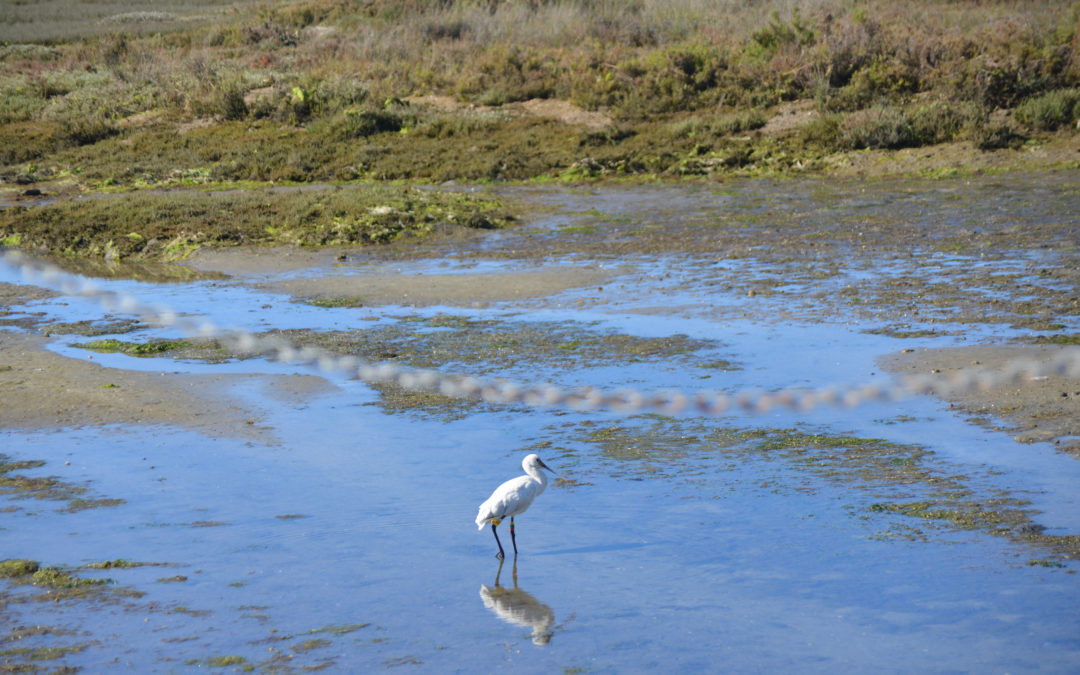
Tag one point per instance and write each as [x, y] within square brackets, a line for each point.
[512, 498]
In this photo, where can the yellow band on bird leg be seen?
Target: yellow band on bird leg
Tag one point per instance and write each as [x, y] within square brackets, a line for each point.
[496, 521]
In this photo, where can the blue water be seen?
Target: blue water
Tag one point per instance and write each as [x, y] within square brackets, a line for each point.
[354, 526]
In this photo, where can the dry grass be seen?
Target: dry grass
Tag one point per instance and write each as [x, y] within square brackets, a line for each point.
[58, 20]
[339, 70]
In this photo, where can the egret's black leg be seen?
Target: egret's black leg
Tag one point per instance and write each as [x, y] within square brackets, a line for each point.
[500, 554]
[513, 539]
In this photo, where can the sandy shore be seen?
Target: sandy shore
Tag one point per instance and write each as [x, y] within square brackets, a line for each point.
[44, 390]
[386, 285]
[455, 290]
[1046, 409]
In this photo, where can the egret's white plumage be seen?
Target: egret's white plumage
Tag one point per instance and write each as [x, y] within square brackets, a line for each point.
[513, 497]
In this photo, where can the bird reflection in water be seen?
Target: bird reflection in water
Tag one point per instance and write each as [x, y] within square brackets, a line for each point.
[515, 606]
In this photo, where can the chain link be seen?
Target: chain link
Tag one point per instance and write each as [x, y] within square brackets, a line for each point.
[501, 391]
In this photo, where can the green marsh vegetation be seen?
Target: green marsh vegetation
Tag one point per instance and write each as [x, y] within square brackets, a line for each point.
[318, 90]
[327, 90]
[51, 583]
[169, 225]
[31, 572]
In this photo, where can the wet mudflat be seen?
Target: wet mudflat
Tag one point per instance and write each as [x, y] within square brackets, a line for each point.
[290, 527]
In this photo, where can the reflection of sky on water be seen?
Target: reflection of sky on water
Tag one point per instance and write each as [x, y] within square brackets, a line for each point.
[654, 572]
[355, 526]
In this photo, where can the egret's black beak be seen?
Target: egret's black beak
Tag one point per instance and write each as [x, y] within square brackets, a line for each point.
[545, 466]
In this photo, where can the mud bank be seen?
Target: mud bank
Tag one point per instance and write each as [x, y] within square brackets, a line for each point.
[1046, 409]
[43, 390]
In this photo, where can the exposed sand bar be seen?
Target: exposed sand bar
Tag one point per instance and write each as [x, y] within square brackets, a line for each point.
[1046, 409]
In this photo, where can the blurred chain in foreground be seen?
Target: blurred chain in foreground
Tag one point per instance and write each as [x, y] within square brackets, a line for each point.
[502, 391]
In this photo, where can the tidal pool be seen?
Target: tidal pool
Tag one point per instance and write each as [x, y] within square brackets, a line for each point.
[892, 537]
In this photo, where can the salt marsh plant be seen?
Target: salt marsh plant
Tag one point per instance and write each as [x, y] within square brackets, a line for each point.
[1051, 110]
[313, 90]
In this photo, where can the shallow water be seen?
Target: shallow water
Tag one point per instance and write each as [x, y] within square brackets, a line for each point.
[348, 542]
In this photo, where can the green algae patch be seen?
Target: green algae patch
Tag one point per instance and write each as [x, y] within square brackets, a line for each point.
[488, 347]
[1056, 339]
[480, 346]
[395, 398]
[308, 645]
[90, 328]
[496, 346]
[170, 225]
[57, 583]
[7, 465]
[181, 609]
[122, 564]
[40, 487]
[339, 629]
[901, 480]
[84, 503]
[57, 578]
[27, 658]
[906, 333]
[203, 349]
[17, 568]
[804, 441]
[227, 661]
[351, 301]
[51, 488]
[39, 654]
[1037, 562]
[152, 348]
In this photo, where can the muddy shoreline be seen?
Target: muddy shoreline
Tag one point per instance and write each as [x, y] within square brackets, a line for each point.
[44, 390]
[814, 231]
[1044, 410]
[610, 240]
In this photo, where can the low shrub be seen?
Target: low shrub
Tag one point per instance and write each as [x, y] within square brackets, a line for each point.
[996, 136]
[448, 125]
[231, 104]
[505, 73]
[1051, 110]
[716, 125]
[893, 127]
[879, 127]
[943, 121]
[85, 130]
[364, 123]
